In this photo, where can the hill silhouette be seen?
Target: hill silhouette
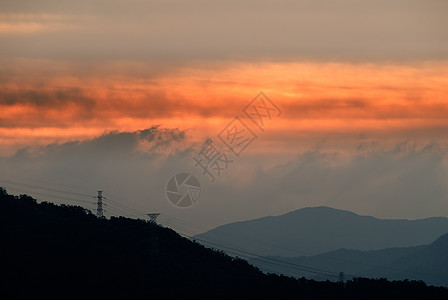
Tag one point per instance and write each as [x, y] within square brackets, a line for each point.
[51, 251]
[315, 230]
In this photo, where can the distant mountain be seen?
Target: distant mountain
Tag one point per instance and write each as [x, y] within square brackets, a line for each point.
[428, 263]
[315, 230]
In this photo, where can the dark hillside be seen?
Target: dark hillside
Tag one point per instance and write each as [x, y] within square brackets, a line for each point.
[51, 251]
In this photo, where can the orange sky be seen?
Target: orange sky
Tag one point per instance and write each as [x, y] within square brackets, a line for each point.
[63, 103]
[353, 79]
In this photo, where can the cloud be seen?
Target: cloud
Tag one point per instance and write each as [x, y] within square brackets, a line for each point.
[43, 101]
[109, 144]
[404, 180]
[279, 30]
[14, 24]
[54, 98]
[128, 165]
[326, 91]
[70, 71]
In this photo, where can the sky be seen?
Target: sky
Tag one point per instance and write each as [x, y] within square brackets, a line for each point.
[121, 95]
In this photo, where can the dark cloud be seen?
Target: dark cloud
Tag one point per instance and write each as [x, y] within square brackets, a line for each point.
[407, 180]
[355, 108]
[109, 144]
[114, 162]
[55, 98]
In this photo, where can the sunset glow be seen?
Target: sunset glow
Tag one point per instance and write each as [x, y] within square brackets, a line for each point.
[317, 98]
[120, 95]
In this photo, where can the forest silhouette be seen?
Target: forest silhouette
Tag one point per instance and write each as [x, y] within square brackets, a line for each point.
[65, 251]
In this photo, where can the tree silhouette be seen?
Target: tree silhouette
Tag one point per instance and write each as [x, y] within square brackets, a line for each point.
[65, 251]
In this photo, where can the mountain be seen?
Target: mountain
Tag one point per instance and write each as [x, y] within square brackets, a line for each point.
[314, 230]
[428, 263]
[65, 251]
[49, 251]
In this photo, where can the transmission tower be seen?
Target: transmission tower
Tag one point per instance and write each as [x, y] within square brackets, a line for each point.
[99, 205]
[341, 277]
[153, 217]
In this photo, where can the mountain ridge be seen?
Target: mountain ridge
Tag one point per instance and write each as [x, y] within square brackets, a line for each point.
[427, 262]
[51, 250]
[314, 230]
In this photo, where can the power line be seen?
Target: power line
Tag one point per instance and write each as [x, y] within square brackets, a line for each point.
[42, 182]
[43, 188]
[251, 255]
[122, 209]
[47, 195]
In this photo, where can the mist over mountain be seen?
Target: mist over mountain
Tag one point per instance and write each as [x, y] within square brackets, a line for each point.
[315, 230]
